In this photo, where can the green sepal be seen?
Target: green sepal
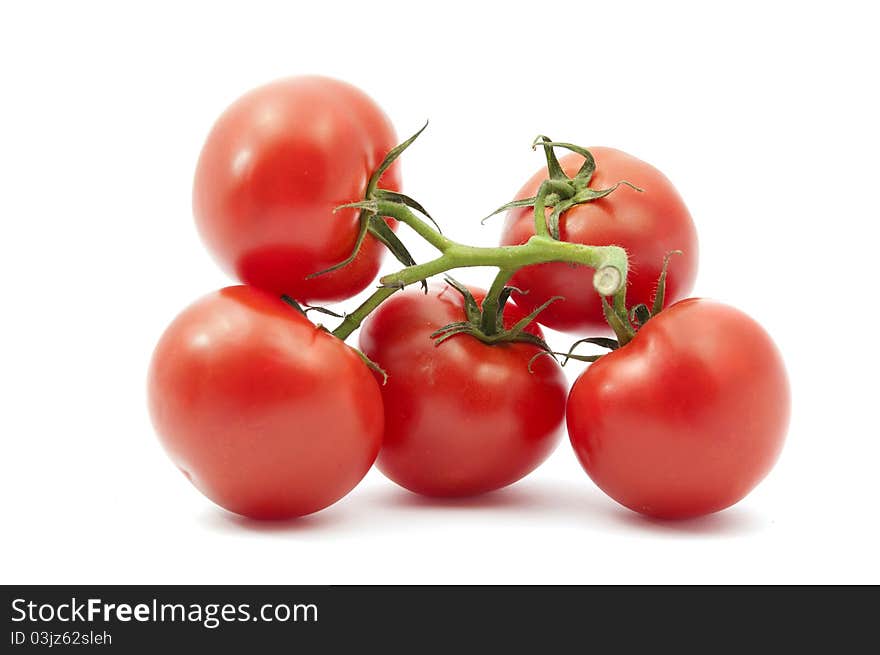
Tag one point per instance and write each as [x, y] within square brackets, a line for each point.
[533, 339]
[586, 170]
[553, 166]
[640, 314]
[538, 355]
[660, 296]
[474, 316]
[466, 327]
[559, 191]
[373, 366]
[381, 231]
[587, 194]
[369, 205]
[525, 202]
[449, 331]
[603, 342]
[568, 356]
[392, 155]
[364, 224]
[503, 297]
[618, 323]
[583, 358]
[290, 301]
[471, 308]
[524, 322]
[368, 219]
[403, 199]
[322, 310]
[451, 327]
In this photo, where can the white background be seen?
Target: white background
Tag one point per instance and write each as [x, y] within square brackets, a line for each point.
[763, 114]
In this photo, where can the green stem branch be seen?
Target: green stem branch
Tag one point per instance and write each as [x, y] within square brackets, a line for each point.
[420, 227]
[610, 263]
[541, 228]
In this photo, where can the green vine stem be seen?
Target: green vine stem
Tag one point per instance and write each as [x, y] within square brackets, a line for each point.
[420, 227]
[551, 190]
[609, 262]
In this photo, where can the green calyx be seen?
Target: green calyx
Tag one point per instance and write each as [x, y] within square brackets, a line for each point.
[376, 204]
[560, 191]
[304, 309]
[476, 318]
[626, 323]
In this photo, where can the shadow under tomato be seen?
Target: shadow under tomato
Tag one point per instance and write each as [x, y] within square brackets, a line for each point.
[534, 502]
[525, 497]
[223, 521]
[734, 521]
[502, 498]
[559, 502]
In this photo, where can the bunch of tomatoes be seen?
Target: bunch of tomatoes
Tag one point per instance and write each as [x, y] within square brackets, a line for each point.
[453, 390]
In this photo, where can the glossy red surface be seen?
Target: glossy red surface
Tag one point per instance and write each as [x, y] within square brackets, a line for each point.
[464, 417]
[266, 415]
[688, 417]
[273, 168]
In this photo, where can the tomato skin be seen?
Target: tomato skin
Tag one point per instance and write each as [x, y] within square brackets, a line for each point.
[688, 417]
[464, 417]
[267, 415]
[648, 225]
[273, 168]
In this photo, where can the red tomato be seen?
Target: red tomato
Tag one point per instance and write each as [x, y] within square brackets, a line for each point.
[267, 415]
[648, 225]
[275, 165]
[464, 417]
[688, 417]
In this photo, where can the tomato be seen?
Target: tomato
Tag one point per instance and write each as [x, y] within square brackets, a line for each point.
[686, 418]
[464, 417]
[275, 165]
[267, 415]
[648, 225]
